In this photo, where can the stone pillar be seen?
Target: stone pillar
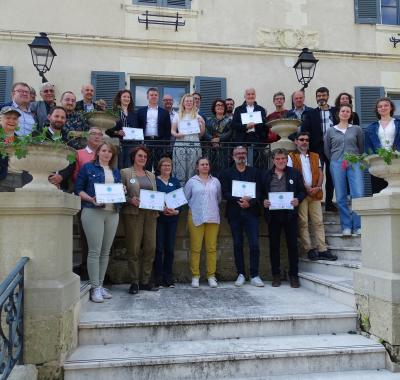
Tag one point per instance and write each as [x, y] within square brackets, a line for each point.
[39, 225]
[377, 282]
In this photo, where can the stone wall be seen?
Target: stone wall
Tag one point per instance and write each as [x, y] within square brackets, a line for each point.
[226, 271]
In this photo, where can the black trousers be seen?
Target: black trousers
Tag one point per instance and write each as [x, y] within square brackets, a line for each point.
[280, 220]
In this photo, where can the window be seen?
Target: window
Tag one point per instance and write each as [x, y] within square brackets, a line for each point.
[396, 100]
[390, 12]
[164, 3]
[175, 89]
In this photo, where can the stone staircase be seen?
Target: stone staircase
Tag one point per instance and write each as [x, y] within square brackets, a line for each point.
[224, 333]
[334, 279]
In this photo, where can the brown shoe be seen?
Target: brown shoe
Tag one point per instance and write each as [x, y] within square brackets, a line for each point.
[294, 281]
[276, 280]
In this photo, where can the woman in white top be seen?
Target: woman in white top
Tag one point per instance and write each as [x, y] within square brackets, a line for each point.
[384, 133]
[187, 145]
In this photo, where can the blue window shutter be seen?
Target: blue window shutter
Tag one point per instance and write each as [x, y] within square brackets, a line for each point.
[146, 2]
[367, 11]
[6, 82]
[210, 89]
[177, 3]
[106, 85]
[366, 98]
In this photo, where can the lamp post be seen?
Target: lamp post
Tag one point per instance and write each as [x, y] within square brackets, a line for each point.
[305, 67]
[42, 54]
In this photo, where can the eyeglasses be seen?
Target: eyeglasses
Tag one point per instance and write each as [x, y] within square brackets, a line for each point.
[48, 91]
[307, 140]
[23, 91]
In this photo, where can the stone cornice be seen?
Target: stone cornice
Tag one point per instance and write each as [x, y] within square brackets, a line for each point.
[108, 41]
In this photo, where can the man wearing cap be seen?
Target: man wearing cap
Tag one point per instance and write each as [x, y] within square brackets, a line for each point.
[21, 101]
[9, 123]
[42, 108]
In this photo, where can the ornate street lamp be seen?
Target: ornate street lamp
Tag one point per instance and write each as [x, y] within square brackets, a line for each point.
[42, 54]
[305, 67]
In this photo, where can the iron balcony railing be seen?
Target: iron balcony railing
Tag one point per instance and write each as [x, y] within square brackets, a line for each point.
[12, 319]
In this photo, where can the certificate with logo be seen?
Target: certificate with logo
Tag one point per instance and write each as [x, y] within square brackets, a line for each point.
[189, 127]
[175, 198]
[243, 189]
[109, 193]
[133, 133]
[281, 200]
[152, 200]
[251, 117]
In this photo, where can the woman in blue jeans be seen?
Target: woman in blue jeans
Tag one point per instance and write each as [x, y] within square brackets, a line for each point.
[166, 227]
[340, 139]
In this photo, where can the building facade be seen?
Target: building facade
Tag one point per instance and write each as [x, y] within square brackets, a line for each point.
[223, 47]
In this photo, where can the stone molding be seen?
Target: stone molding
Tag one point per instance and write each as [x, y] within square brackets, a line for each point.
[288, 38]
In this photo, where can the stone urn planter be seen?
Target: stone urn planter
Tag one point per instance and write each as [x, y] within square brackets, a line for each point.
[102, 120]
[390, 173]
[284, 128]
[40, 161]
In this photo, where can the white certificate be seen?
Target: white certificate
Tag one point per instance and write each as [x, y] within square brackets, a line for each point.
[109, 193]
[251, 117]
[243, 189]
[189, 127]
[152, 200]
[281, 201]
[175, 198]
[133, 133]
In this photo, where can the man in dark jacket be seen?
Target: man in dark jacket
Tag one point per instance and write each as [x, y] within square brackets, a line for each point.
[87, 104]
[282, 179]
[243, 213]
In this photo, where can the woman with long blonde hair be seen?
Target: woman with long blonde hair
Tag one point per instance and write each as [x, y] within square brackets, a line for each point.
[187, 146]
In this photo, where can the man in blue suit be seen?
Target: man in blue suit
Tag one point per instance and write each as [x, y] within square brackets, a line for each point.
[156, 125]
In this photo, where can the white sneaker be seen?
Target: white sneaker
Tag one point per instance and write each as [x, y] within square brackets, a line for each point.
[256, 281]
[95, 295]
[358, 231]
[212, 282]
[346, 232]
[105, 293]
[195, 282]
[240, 280]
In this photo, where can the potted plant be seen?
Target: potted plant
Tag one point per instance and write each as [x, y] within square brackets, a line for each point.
[384, 164]
[38, 155]
[103, 119]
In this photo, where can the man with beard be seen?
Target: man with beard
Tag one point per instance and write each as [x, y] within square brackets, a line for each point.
[230, 107]
[316, 123]
[243, 214]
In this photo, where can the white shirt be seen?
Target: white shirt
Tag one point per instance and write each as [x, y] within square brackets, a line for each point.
[26, 121]
[249, 108]
[305, 168]
[90, 151]
[343, 130]
[386, 135]
[152, 121]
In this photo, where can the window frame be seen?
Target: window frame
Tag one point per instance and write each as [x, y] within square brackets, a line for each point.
[396, 6]
[161, 4]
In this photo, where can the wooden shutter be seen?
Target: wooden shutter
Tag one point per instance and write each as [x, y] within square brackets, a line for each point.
[106, 85]
[210, 89]
[366, 98]
[367, 11]
[6, 81]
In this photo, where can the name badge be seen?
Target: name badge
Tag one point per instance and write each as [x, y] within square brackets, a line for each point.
[132, 181]
[170, 184]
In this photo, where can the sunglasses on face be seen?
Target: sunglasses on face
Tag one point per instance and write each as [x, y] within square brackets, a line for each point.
[307, 140]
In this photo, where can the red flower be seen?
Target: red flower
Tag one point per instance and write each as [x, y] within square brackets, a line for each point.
[345, 164]
[9, 140]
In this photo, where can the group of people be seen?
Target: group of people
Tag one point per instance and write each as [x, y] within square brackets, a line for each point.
[325, 135]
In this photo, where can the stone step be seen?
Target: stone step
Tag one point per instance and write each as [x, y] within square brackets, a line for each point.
[337, 288]
[338, 240]
[340, 268]
[208, 359]
[377, 374]
[215, 328]
[332, 227]
[346, 253]
[331, 216]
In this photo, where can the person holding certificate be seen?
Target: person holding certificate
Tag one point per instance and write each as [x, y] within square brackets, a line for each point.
[282, 191]
[140, 223]
[187, 128]
[241, 189]
[166, 227]
[203, 193]
[99, 221]
[123, 103]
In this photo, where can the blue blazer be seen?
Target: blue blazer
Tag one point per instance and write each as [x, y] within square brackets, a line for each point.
[88, 175]
[163, 122]
[371, 139]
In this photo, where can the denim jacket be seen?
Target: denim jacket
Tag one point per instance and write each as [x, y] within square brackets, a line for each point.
[90, 174]
[371, 138]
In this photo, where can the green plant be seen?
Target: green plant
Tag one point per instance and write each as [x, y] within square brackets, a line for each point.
[386, 154]
[18, 145]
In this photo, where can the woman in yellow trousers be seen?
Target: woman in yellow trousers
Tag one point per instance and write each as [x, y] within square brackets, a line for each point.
[203, 193]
